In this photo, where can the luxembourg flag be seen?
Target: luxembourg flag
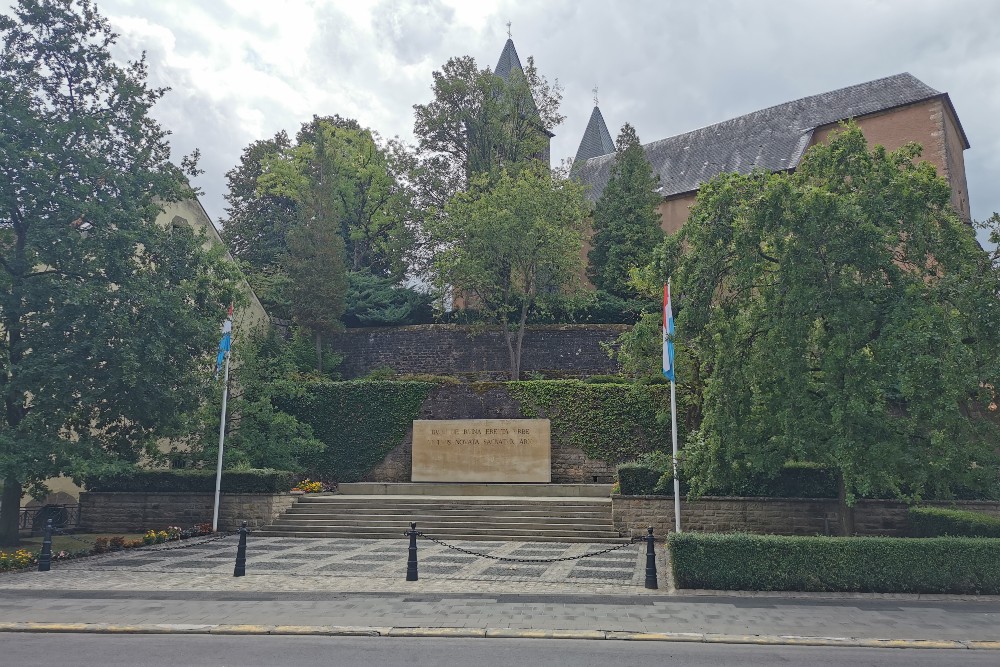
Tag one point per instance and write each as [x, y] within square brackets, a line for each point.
[668, 335]
[224, 344]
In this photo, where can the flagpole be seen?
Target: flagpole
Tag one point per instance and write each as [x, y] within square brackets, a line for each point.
[673, 431]
[673, 435]
[222, 438]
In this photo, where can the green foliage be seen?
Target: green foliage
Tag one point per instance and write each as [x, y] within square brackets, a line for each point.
[605, 379]
[593, 307]
[261, 480]
[746, 562]
[378, 302]
[257, 222]
[106, 318]
[935, 521]
[612, 422]
[841, 314]
[479, 123]
[510, 244]
[626, 219]
[637, 479]
[260, 435]
[358, 421]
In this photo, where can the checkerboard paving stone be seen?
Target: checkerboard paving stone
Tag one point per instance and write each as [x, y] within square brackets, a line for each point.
[382, 563]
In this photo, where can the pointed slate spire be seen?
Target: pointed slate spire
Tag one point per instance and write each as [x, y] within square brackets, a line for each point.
[508, 61]
[596, 140]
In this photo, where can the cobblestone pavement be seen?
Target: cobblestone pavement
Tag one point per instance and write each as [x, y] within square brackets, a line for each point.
[275, 564]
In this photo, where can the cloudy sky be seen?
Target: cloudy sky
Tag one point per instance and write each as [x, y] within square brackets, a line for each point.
[241, 70]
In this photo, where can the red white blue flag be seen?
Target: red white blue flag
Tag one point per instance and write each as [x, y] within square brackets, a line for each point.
[668, 335]
[226, 342]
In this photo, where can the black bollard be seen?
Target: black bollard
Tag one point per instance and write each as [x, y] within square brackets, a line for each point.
[241, 553]
[45, 560]
[411, 562]
[650, 560]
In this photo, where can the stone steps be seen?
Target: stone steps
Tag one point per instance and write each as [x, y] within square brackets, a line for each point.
[551, 518]
[475, 489]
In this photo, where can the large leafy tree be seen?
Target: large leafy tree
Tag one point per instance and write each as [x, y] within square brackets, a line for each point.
[106, 317]
[842, 314]
[509, 244]
[626, 219]
[480, 123]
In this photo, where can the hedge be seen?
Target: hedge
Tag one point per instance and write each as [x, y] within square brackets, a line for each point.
[796, 480]
[936, 521]
[261, 480]
[360, 421]
[738, 561]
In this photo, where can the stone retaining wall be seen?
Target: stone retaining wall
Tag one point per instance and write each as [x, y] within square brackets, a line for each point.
[447, 349]
[112, 512]
[777, 516]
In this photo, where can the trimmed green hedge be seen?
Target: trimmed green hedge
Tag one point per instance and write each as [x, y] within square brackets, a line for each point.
[610, 422]
[739, 561]
[936, 521]
[796, 480]
[360, 421]
[260, 480]
[637, 479]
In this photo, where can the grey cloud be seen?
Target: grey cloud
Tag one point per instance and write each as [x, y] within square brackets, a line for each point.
[411, 29]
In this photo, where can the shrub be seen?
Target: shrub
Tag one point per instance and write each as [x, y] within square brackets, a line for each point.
[17, 560]
[850, 564]
[115, 543]
[101, 545]
[937, 521]
[638, 479]
[606, 379]
[261, 480]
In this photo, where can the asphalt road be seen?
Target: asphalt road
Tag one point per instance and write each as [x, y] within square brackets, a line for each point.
[27, 650]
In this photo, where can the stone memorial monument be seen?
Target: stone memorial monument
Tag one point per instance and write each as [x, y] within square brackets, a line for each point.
[482, 450]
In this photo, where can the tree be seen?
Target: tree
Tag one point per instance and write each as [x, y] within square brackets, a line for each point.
[364, 195]
[257, 221]
[844, 315]
[509, 244]
[315, 258]
[107, 318]
[480, 123]
[626, 219]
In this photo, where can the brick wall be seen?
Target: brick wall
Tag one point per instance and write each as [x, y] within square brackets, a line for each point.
[135, 512]
[569, 464]
[444, 349]
[777, 516]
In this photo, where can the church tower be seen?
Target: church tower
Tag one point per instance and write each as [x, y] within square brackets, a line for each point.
[507, 63]
[596, 140]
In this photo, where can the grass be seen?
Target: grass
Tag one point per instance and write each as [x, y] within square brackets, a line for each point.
[67, 543]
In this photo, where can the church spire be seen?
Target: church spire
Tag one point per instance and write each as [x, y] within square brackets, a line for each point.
[596, 140]
[508, 59]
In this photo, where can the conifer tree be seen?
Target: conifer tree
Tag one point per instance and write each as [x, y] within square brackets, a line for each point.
[626, 222]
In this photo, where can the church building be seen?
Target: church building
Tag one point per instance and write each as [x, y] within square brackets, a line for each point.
[892, 112]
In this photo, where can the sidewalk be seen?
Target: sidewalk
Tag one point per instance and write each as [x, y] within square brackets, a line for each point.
[154, 596]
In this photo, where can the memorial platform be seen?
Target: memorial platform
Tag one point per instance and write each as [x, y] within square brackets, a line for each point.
[517, 512]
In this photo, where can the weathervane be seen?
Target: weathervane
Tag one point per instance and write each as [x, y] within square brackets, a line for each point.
[508, 29]
[595, 95]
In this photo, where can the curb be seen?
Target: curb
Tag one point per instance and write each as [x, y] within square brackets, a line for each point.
[490, 633]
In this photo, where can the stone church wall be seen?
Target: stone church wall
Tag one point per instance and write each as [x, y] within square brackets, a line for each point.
[443, 349]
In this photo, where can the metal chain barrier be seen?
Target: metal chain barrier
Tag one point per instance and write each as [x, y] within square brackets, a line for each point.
[508, 559]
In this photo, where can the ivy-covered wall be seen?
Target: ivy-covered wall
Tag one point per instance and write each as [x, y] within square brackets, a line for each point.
[366, 425]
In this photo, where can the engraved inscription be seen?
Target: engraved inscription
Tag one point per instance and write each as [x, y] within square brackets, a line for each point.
[481, 450]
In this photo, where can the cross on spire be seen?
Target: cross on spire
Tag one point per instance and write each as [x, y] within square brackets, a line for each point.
[508, 29]
[595, 95]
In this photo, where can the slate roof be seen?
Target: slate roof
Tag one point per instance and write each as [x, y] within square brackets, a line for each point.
[508, 61]
[596, 139]
[774, 138]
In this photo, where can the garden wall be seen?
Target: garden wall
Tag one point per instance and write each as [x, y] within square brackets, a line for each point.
[110, 512]
[776, 516]
[447, 349]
